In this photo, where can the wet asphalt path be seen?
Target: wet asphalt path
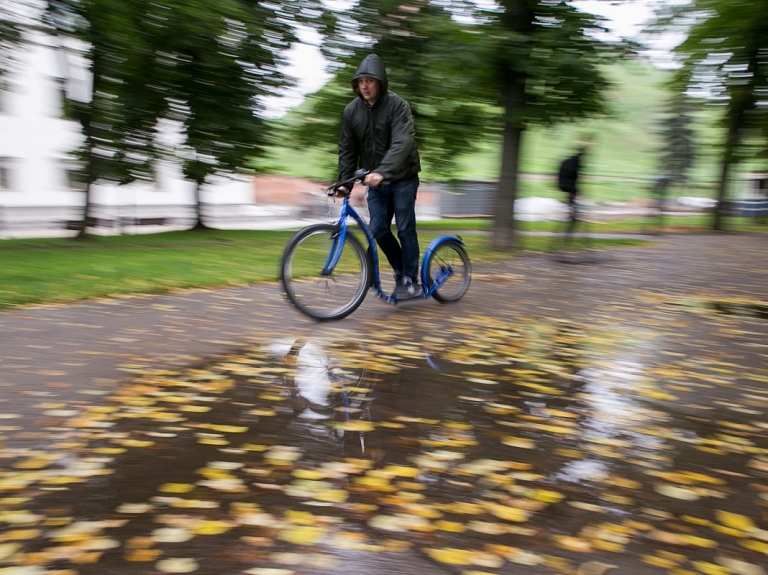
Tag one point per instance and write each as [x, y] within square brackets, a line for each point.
[67, 351]
[680, 323]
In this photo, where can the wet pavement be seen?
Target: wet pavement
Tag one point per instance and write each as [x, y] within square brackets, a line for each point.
[606, 415]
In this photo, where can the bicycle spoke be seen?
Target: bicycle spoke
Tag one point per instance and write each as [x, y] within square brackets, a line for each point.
[449, 258]
[330, 295]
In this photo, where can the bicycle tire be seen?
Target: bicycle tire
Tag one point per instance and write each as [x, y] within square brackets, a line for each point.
[330, 296]
[449, 255]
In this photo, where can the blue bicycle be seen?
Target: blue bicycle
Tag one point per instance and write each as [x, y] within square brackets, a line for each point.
[326, 272]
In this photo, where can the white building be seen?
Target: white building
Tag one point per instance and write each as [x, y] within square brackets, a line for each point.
[35, 168]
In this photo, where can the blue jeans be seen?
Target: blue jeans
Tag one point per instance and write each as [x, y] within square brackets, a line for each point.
[396, 199]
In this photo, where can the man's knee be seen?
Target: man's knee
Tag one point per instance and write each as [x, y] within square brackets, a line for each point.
[381, 232]
[408, 234]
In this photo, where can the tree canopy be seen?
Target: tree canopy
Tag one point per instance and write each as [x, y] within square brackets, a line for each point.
[470, 70]
[679, 150]
[11, 19]
[202, 66]
[725, 60]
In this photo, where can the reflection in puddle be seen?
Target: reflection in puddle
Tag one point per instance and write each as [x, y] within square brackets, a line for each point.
[608, 408]
[483, 449]
[322, 386]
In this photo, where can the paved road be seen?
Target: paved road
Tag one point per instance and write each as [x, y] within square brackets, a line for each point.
[48, 348]
[680, 323]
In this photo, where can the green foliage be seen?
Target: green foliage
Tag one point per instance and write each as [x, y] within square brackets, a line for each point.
[679, 150]
[724, 61]
[218, 59]
[118, 120]
[10, 34]
[202, 65]
[628, 143]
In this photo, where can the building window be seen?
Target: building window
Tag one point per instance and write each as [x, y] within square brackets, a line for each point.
[74, 177]
[71, 176]
[6, 174]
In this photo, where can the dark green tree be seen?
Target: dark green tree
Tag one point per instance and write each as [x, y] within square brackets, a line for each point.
[678, 152]
[413, 38]
[216, 60]
[204, 66]
[11, 21]
[477, 70]
[118, 120]
[541, 65]
[725, 60]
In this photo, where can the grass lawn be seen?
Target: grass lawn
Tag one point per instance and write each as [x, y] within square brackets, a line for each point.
[64, 270]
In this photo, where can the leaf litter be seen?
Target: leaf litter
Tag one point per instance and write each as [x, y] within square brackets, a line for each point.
[547, 445]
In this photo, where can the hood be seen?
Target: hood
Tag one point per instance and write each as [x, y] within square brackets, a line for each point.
[371, 67]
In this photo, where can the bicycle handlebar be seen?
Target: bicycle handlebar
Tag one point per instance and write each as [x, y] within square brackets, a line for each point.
[348, 183]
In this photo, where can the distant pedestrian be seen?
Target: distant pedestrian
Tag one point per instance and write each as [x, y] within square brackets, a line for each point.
[568, 182]
[568, 176]
[570, 171]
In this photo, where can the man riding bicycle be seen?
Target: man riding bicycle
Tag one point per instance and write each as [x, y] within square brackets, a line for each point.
[378, 135]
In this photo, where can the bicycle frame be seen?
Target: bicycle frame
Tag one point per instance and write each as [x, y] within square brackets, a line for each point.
[347, 211]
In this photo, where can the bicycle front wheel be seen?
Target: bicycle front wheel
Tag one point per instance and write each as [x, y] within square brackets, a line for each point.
[449, 259]
[330, 294]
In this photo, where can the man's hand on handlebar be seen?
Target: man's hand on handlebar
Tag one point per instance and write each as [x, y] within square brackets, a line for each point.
[343, 189]
[373, 179]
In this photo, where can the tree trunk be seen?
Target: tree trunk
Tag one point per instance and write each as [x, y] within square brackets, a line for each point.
[88, 120]
[199, 223]
[741, 103]
[731, 143]
[722, 194]
[503, 237]
[82, 230]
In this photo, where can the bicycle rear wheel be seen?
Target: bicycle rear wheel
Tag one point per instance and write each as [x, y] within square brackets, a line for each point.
[451, 258]
[324, 295]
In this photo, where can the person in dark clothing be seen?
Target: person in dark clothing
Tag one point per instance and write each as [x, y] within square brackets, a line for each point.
[568, 182]
[568, 176]
[378, 135]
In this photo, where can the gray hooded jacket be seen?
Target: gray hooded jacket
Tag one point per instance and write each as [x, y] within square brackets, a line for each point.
[379, 138]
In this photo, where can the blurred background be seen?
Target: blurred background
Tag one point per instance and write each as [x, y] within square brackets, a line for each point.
[126, 116]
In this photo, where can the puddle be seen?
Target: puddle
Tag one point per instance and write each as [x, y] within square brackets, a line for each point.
[478, 449]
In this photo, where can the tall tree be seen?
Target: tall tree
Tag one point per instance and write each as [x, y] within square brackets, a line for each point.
[544, 67]
[679, 148]
[412, 37]
[471, 69]
[217, 60]
[117, 120]
[725, 59]
[203, 65]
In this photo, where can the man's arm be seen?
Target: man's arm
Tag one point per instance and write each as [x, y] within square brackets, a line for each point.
[403, 136]
[348, 149]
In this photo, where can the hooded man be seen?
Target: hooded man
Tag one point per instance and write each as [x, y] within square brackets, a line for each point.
[378, 135]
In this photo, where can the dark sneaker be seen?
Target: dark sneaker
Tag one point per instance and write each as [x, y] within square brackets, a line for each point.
[406, 288]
